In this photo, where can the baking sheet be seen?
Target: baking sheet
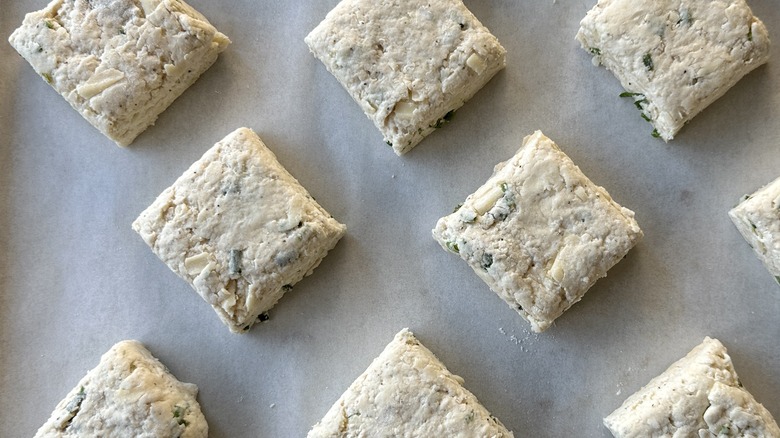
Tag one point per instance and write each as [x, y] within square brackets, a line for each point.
[76, 279]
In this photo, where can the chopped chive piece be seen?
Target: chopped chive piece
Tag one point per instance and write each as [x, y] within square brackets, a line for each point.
[452, 246]
[49, 24]
[647, 60]
[777, 279]
[630, 94]
[638, 103]
[656, 134]
[595, 51]
[644, 116]
[487, 261]
[48, 77]
[389, 143]
[504, 187]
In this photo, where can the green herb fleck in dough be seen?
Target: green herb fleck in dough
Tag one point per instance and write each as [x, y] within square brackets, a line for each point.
[389, 143]
[178, 414]
[49, 24]
[48, 77]
[452, 246]
[630, 94]
[504, 187]
[234, 263]
[647, 119]
[595, 51]
[655, 133]
[724, 430]
[648, 61]
[487, 261]
[444, 120]
[777, 279]
[638, 104]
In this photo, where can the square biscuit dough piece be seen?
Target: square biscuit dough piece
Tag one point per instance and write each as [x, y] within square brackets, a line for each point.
[674, 57]
[407, 63]
[700, 395]
[239, 229]
[539, 232]
[119, 63]
[408, 392]
[757, 218]
[129, 394]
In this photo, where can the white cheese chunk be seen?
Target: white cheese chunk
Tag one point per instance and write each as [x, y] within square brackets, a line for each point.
[385, 53]
[239, 228]
[119, 63]
[408, 392]
[700, 395]
[129, 394]
[757, 218]
[542, 234]
[674, 57]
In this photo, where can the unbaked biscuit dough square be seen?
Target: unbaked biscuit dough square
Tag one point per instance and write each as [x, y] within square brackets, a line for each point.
[539, 232]
[129, 394]
[674, 57]
[239, 228]
[408, 392]
[119, 63]
[700, 395]
[408, 63]
[757, 218]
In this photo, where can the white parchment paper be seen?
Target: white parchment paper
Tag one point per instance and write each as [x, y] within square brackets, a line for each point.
[75, 279]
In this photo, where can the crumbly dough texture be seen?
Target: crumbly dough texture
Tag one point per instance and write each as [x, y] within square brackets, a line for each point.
[407, 63]
[119, 63]
[539, 232]
[129, 394]
[674, 57]
[700, 395]
[757, 218]
[239, 228]
[408, 392]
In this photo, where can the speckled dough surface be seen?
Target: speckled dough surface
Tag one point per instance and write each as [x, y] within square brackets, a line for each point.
[757, 218]
[674, 57]
[407, 63]
[408, 392]
[119, 63]
[700, 395]
[239, 228]
[539, 232]
[129, 394]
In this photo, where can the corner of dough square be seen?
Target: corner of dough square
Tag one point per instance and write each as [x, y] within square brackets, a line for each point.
[129, 394]
[119, 63]
[408, 64]
[239, 229]
[408, 392]
[674, 57]
[757, 218]
[539, 232]
[700, 395]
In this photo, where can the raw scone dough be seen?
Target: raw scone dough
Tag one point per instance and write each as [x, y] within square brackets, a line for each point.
[129, 394]
[119, 63]
[700, 395]
[239, 228]
[408, 392]
[539, 232]
[408, 64]
[674, 57]
[757, 218]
